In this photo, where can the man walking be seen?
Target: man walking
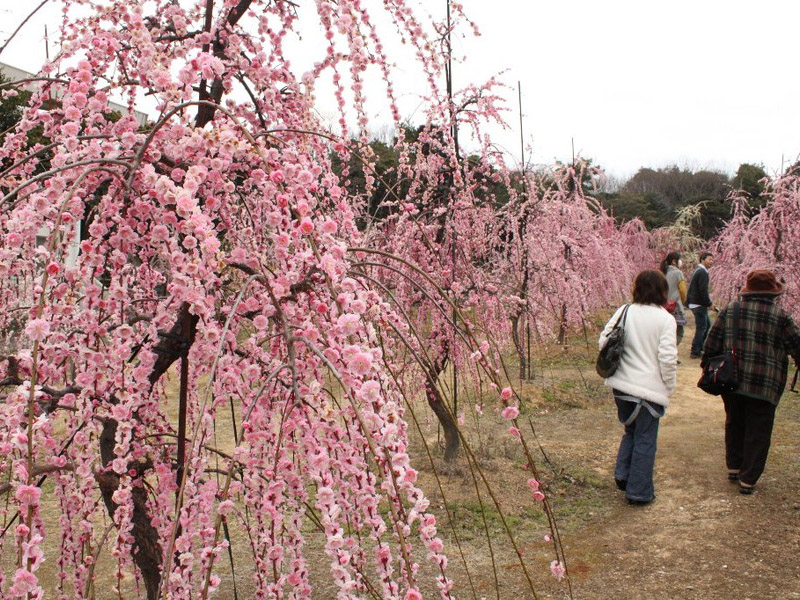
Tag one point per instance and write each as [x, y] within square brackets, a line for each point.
[699, 302]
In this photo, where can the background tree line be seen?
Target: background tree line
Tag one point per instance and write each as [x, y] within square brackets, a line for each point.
[656, 195]
[653, 195]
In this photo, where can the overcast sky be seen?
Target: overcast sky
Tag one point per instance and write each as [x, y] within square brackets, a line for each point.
[700, 83]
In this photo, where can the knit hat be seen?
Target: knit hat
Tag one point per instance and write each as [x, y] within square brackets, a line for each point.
[761, 282]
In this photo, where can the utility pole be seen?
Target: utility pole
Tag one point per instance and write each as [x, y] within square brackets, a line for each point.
[453, 250]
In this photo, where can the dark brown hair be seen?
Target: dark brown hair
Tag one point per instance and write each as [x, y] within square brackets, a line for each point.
[650, 287]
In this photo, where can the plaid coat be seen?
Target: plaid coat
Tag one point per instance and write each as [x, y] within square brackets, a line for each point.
[766, 336]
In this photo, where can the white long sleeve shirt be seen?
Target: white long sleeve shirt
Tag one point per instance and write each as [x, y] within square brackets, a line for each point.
[648, 366]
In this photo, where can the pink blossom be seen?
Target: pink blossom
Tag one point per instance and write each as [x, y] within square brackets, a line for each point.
[413, 594]
[533, 484]
[370, 390]
[276, 176]
[361, 363]
[53, 268]
[260, 322]
[13, 239]
[70, 129]
[306, 225]
[24, 582]
[275, 553]
[510, 412]
[506, 393]
[160, 233]
[305, 177]
[28, 495]
[348, 323]
[120, 412]
[514, 432]
[162, 79]
[558, 570]
[436, 545]
[538, 496]
[225, 507]
[72, 114]
[37, 329]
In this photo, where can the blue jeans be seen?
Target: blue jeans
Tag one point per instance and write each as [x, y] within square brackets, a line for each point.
[702, 324]
[637, 450]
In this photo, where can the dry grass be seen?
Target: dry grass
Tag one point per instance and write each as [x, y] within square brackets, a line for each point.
[475, 531]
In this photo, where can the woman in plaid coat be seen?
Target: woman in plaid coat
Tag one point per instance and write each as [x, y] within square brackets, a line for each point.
[765, 337]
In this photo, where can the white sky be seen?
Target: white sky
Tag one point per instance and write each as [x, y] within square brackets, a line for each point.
[697, 83]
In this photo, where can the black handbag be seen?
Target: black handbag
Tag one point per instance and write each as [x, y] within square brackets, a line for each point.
[721, 373]
[611, 352]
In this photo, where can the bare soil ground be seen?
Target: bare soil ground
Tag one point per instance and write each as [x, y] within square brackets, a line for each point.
[700, 538]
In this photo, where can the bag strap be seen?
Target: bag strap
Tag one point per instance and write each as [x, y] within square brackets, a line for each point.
[622, 317]
[639, 403]
[735, 333]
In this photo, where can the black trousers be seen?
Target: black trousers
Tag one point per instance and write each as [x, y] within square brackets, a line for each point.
[748, 432]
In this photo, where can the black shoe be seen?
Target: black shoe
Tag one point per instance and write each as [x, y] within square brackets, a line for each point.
[745, 490]
[733, 477]
[621, 484]
[695, 356]
[633, 502]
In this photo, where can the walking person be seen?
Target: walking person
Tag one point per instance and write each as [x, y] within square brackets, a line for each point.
[643, 382]
[676, 292]
[699, 302]
[765, 336]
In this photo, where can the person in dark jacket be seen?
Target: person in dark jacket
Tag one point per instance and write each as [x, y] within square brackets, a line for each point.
[764, 338]
[699, 302]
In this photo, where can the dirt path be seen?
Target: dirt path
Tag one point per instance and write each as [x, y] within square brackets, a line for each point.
[700, 538]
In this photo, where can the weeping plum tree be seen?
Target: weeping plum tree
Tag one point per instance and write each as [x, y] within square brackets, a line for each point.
[217, 244]
[566, 258]
[439, 227]
[767, 238]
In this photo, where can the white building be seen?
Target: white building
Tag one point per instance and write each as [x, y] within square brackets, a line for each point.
[15, 74]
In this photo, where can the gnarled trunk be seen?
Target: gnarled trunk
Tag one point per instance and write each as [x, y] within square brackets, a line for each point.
[446, 418]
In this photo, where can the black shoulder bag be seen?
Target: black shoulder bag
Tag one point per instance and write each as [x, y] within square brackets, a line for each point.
[611, 352]
[720, 375]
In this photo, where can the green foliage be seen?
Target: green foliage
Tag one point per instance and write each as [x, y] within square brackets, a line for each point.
[658, 195]
[750, 179]
[11, 107]
[647, 207]
[380, 160]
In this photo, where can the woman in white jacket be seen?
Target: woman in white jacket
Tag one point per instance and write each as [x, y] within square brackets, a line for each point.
[643, 382]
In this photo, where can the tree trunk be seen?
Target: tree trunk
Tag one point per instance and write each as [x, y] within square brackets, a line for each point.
[523, 361]
[147, 552]
[146, 549]
[436, 402]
